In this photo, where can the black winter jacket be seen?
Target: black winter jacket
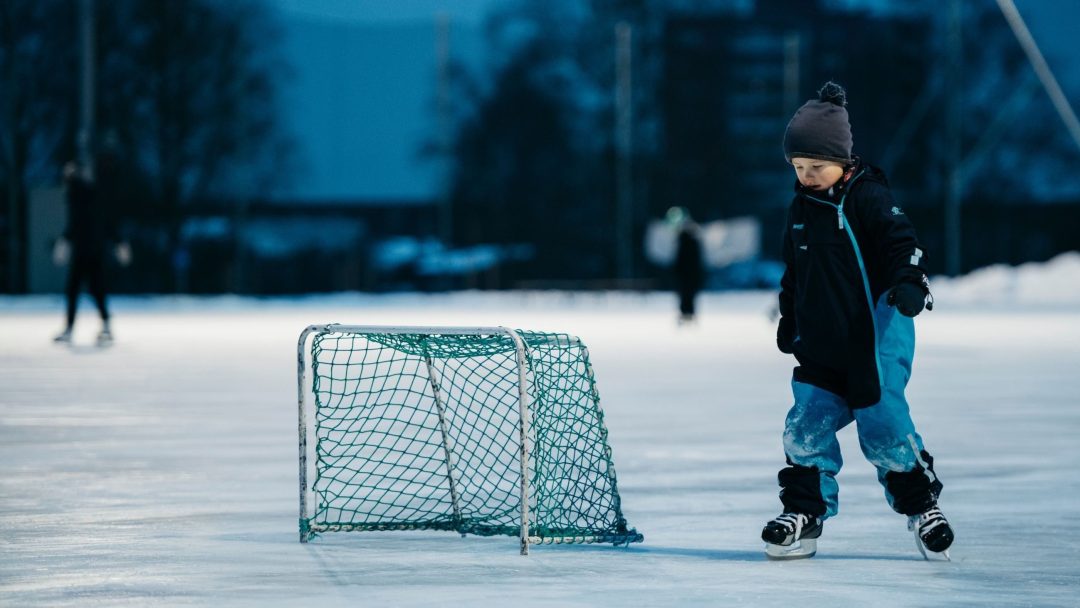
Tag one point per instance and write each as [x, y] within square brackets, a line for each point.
[90, 227]
[689, 266]
[843, 250]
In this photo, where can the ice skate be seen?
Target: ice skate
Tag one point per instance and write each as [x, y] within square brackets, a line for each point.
[685, 320]
[64, 337]
[933, 535]
[104, 337]
[792, 536]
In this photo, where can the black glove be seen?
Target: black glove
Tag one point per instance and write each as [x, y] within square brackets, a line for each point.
[785, 335]
[908, 298]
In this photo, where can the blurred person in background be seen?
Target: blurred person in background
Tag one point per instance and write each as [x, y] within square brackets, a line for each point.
[83, 246]
[689, 267]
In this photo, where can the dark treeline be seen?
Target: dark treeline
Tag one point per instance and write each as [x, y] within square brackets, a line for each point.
[713, 87]
[189, 141]
[185, 110]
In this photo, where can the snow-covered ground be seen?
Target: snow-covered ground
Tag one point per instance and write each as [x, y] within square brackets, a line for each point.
[163, 470]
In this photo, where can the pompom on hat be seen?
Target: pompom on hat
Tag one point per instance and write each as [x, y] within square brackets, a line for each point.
[820, 128]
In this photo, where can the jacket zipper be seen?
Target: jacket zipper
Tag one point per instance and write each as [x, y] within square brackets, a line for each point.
[841, 223]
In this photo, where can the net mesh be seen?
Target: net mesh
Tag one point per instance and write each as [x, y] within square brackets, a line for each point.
[422, 431]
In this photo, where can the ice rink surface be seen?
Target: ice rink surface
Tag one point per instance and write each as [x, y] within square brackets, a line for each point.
[163, 470]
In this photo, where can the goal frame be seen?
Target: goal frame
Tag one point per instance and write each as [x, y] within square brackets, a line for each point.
[524, 407]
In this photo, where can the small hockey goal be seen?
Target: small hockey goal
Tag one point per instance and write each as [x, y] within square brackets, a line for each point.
[485, 431]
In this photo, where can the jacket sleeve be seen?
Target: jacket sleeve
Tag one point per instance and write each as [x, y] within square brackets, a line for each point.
[897, 245]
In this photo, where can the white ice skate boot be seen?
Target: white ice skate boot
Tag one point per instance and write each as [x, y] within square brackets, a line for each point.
[64, 337]
[933, 533]
[792, 536]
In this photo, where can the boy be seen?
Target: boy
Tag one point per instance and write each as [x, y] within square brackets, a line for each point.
[854, 279]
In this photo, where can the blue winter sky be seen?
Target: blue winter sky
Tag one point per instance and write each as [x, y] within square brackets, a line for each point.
[360, 101]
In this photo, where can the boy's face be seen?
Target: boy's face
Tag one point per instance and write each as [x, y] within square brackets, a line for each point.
[817, 174]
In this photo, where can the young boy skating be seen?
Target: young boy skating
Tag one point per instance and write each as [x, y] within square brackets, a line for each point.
[854, 279]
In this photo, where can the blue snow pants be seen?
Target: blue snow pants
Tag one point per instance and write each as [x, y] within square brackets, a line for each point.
[887, 435]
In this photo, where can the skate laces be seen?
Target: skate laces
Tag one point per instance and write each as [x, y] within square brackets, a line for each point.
[793, 522]
[929, 520]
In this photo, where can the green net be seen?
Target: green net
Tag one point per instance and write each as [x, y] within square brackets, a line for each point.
[423, 431]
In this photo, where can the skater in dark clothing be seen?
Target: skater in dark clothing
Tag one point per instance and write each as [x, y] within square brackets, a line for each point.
[854, 279]
[689, 268]
[84, 246]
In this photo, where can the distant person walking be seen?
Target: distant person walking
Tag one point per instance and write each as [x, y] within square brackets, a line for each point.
[83, 246]
[689, 267]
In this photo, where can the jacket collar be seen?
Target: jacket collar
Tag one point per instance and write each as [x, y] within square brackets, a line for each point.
[838, 190]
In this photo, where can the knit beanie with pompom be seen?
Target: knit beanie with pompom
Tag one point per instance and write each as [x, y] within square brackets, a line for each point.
[820, 128]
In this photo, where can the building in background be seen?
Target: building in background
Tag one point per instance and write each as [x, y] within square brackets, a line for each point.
[362, 92]
[732, 82]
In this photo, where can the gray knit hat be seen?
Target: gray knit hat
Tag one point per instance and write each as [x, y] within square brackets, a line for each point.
[820, 128]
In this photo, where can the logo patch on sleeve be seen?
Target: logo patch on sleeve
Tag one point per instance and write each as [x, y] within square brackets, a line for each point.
[897, 211]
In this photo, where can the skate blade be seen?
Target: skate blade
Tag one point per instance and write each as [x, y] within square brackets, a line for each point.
[799, 550]
[926, 553]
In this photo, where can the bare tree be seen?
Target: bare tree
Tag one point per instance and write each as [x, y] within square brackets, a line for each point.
[37, 88]
[186, 106]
